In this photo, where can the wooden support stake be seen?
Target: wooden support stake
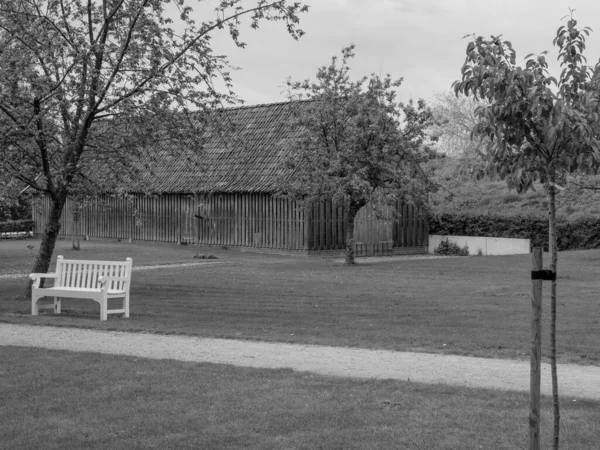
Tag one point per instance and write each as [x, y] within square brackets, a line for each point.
[536, 353]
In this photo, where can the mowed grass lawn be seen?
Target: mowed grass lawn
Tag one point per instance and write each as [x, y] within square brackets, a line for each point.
[475, 306]
[62, 400]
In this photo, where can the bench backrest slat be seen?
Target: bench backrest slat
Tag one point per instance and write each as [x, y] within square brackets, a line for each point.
[90, 275]
[59, 267]
[94, 278]
[121, 272]
[115, 270]
[78, 273]
[70, 274]
[83, 281]
[65, 279]
[82, 275]
[85, 274]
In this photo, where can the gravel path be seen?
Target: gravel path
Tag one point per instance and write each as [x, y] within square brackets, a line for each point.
[575, 381]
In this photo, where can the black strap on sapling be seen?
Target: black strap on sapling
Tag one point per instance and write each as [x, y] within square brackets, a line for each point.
[546, 275]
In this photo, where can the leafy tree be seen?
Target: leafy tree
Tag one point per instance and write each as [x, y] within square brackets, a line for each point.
[355, 144]
[535, 131]
[455, 118]
[89, 84]
[13, 204]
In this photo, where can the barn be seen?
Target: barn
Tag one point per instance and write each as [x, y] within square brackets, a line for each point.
[232, 203]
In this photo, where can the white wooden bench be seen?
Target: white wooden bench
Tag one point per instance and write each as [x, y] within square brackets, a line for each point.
[95, 280]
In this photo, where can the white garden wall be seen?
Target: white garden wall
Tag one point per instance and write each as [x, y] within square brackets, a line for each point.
[487, 245]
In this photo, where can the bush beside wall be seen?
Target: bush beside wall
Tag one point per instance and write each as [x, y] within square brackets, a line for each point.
[19, 209]
[578, 234]
[12, 226]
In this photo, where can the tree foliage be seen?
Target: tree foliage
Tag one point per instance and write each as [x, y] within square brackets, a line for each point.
[355, 143]
[13, 204]
[91, 84]
[539, 128]
[455, 119]
[532, 128]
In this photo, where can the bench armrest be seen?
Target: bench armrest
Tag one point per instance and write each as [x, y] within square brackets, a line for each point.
[104, 278]
[37, 277]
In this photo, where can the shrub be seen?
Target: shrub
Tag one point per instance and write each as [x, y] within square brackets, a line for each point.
[570, 210]
[584, 232]
[511, 198]
[581, 215]
[451, 248]
[535, 194]
[12, 226]
[18, 209]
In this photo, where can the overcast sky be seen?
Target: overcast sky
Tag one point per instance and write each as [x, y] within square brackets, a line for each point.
[419, 40]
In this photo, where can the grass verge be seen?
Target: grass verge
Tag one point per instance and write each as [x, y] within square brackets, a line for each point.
[58, 400]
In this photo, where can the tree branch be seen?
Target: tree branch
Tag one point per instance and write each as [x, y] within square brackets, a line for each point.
[208, 28]
[42, 145]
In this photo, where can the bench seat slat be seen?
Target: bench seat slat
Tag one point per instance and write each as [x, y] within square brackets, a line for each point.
[55, 289]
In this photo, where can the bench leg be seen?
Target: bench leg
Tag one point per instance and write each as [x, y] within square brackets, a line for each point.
[126, 305]
[34, 306]
[57, 305]
[103, 308]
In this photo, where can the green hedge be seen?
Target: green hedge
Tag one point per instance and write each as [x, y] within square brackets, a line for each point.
[19, 209]
[578, 234]
[12, 226]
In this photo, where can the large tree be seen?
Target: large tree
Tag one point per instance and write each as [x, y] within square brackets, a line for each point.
[455, 119]
[539, 128]
[84, 84]
[355, 143]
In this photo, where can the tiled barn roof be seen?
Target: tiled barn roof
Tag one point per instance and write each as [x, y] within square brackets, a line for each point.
[247, 159]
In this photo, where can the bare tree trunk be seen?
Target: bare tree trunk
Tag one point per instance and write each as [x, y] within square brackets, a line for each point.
[351, 213]
[42, 262]
[553, 263]
[349, 255]
[75, 230]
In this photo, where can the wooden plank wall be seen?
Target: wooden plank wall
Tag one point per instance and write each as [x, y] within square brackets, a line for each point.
[326, 226]
[251, 220]
[248, 220]
[371, 229]
[165, 218]
[411, 229]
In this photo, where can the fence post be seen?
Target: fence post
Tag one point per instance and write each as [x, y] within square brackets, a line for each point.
[536, 353]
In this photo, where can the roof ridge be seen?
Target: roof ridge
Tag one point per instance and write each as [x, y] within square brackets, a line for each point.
[265, 105]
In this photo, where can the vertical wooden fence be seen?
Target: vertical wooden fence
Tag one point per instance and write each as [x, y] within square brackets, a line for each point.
[325, 227]
[251, 220]
[236, 219]
[165, 218]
